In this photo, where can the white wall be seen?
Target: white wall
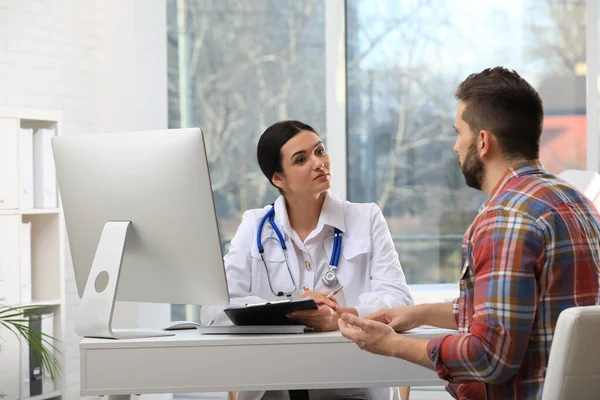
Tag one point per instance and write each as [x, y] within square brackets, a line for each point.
[103, 64]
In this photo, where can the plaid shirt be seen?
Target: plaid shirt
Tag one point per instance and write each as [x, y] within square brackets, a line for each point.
[532, 251]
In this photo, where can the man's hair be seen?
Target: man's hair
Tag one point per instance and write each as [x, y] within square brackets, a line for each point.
[499, 100]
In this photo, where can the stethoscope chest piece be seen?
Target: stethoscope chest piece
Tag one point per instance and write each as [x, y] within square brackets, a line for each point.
[330, 277]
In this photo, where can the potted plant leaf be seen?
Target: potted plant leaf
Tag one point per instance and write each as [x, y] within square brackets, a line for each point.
[16, 320]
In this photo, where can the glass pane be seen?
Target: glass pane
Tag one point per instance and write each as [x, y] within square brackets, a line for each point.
[404, 61]
[234, 68]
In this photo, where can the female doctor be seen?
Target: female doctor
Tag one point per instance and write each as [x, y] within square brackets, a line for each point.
[309, 243]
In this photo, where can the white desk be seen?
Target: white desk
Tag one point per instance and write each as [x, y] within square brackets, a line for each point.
[190, 362]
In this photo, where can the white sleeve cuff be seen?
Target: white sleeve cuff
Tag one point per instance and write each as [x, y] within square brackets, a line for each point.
[365, 310]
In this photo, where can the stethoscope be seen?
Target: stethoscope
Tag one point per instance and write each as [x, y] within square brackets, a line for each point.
[329, 277]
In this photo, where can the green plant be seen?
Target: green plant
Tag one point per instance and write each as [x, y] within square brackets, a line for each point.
[16, 320]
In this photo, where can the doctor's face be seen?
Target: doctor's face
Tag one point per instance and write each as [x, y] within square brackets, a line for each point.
[305, 165]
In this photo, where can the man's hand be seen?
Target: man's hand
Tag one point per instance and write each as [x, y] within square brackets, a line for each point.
[400, 319]
[373, 336]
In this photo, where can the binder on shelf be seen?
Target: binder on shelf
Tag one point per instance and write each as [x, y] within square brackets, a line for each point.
[48, 332]
[34, 381]
[25, 262]
[35, 369]
[44, 175]
[25, 370]
[9, 163]
[9, 366]
[10, 278]
[26, 168]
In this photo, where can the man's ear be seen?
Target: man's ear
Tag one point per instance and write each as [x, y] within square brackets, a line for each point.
[486, 141]
[278, 180]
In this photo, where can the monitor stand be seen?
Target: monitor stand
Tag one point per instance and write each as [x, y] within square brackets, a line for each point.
[95, 312]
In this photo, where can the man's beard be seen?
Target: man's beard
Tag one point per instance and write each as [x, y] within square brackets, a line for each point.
[473, 168]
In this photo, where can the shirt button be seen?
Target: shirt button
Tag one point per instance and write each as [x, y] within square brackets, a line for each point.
[307, 265]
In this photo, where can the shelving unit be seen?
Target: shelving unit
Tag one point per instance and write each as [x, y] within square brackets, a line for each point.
[47, 255]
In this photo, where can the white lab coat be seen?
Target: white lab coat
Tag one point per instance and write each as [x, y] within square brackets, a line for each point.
[368, 268]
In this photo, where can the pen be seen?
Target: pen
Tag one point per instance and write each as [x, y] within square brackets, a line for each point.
[336, 291]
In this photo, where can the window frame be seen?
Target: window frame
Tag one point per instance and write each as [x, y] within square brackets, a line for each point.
[336, 107]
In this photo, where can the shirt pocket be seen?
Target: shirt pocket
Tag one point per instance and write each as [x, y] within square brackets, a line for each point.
[466, 284]
[354, 269]
[351, 248]
[359, 247]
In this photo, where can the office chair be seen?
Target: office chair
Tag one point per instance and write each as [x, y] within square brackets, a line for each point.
[404, 393]
[574, 367]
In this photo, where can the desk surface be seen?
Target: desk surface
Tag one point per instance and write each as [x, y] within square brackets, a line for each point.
[190, 362]
[191, 337]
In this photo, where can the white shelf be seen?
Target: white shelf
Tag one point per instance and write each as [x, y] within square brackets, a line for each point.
[40, 211]
[31, 114]
[45, 396]
[36, 303]
[42, 303]
[10, 212]
[46, 259]
[33, 211]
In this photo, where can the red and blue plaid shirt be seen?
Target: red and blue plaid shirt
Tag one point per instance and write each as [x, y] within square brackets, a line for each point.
[532, 251]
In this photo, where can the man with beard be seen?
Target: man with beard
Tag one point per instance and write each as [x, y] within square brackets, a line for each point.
[532, 251]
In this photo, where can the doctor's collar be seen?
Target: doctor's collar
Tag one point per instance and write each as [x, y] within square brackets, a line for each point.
[332, 214]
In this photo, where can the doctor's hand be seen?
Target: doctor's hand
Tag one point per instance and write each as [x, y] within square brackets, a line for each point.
[400, 319]
[323, 319]
[321, 298]
[372, 336]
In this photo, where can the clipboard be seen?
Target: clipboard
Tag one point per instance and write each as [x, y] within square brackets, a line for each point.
[269, 313]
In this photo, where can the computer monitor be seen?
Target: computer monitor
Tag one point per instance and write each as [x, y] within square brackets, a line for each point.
[141, 223]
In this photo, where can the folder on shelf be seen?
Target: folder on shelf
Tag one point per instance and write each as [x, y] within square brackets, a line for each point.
[9, 360]
[9, 163]
[35, 368]
[10, 278]
[26, 168]
[44, 174]
[268, 313]
[48, 332]
[25, 389]
[35, 382]
[25, 261]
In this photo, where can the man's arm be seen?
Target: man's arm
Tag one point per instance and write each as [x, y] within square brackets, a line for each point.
[380, 338]
[507, 250]
[408, 317]
[413, 350]
[437, 314]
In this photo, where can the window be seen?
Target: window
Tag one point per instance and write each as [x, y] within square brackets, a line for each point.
[404, 61]
[234, 68]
